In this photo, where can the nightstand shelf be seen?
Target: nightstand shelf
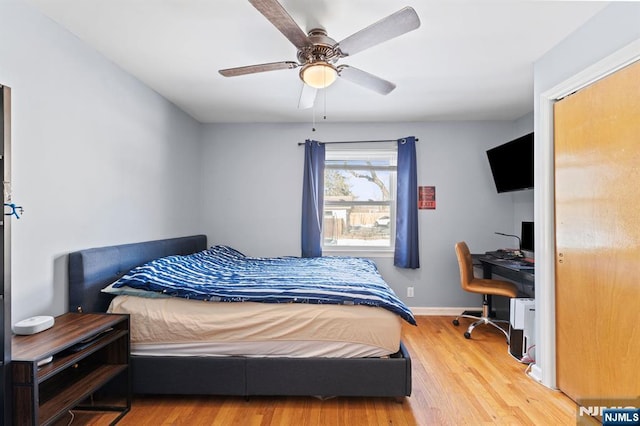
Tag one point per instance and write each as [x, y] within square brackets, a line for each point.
[89, 369]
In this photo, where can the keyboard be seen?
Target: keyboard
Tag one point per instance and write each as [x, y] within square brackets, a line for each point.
[510, 259]
[502, 254]
[520, 263]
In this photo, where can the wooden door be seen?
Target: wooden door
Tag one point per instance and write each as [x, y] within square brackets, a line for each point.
[597, 183]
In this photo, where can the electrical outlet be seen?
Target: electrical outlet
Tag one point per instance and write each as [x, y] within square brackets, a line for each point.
[409, 291]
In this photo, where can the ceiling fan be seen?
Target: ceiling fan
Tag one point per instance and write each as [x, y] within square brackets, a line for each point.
[318, 53]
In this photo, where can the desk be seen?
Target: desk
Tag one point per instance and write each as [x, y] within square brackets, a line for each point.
[523, 277]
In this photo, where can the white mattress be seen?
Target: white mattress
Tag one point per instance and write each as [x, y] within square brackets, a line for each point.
[180, 327]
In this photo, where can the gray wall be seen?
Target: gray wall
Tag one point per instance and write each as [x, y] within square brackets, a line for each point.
[613, 28]
[522, 200]
[253, 187]
[98, 158]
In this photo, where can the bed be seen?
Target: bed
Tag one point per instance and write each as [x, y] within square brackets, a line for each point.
[91, 270]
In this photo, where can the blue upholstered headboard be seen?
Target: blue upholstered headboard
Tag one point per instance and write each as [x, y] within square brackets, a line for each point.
[91, 270]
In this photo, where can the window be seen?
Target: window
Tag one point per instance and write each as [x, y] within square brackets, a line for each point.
[359, 199]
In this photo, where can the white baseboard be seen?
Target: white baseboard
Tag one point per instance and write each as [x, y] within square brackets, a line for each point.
[429, 311]
[535, 373]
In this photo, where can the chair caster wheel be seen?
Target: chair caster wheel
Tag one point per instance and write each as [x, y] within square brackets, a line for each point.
[467, 335]
[456, 322]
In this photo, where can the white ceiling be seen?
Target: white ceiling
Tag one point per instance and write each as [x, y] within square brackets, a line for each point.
[469, 60]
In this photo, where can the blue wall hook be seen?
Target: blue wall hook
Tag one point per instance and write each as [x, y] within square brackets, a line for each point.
[14, 210]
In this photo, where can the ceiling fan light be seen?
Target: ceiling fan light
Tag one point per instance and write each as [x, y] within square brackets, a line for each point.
[319, 74]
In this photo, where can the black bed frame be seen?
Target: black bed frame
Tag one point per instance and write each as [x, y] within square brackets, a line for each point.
[92, 269]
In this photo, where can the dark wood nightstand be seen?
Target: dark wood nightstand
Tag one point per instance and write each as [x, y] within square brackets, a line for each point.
[89, 369]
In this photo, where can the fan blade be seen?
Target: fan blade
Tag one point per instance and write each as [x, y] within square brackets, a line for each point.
[307, 97]
[394, 25]
[365, 79]
[278, 16]
[252, 69]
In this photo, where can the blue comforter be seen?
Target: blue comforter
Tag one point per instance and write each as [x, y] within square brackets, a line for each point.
[222, 274]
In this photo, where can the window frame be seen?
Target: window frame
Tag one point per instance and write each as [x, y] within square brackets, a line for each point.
[370, 150]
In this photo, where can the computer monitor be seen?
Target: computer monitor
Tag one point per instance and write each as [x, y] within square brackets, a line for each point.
[526, 236]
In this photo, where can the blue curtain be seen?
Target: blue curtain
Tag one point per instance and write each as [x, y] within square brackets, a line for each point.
[406, 250]
[312, 199]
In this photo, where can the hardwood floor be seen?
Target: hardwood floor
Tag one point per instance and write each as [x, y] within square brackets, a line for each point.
[455, 382]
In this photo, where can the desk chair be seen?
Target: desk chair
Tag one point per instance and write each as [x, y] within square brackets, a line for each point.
[485, 287]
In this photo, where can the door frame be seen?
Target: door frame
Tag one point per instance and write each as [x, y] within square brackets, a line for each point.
[5, 258]
[544, 370]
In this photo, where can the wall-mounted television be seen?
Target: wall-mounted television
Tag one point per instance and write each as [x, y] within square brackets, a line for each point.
[512, 164]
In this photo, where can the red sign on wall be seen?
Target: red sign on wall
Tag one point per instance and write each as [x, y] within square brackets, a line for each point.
[427, 197]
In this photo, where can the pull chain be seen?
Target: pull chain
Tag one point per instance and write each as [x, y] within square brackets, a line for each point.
[313, 114]
[324, 95]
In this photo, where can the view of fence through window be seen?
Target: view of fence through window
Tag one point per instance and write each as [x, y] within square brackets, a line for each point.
[359, 198]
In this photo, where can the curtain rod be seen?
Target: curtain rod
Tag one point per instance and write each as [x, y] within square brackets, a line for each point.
[382, 140]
